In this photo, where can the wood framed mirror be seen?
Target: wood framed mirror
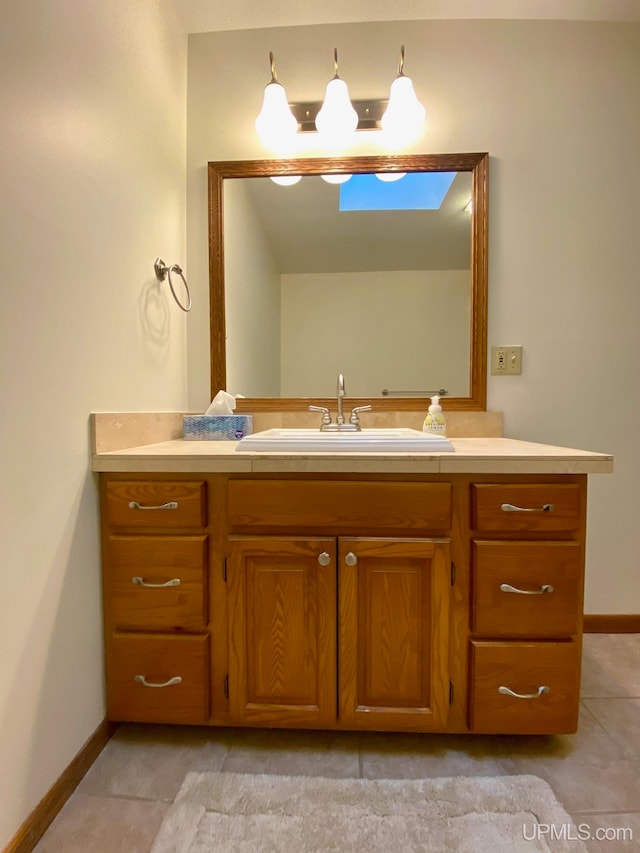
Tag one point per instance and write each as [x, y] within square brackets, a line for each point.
[247, 328]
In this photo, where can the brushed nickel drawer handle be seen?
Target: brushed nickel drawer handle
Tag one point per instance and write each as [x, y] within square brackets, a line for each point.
[324, 559]
[546, 587]
[142, 582]
[142, 680]
[351, 559]
[169, 505]
[507, 692]
[512, 508]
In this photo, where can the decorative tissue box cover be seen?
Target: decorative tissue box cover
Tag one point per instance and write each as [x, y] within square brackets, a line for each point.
[216, 427]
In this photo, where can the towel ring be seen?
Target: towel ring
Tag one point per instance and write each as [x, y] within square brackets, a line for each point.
[162, 270]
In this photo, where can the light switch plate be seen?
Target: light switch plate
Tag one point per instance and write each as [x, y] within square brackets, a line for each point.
[506, 361]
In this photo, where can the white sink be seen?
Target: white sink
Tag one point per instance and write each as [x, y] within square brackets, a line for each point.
[372, 440]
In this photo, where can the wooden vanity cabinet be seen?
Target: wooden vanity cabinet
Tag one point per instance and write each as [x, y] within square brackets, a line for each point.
[377, 602]
[344, 630]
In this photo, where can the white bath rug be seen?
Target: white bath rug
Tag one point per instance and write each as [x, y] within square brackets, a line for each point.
[244, 813]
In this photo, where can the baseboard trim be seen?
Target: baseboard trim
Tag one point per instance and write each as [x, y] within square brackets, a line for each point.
[42, 816]
[612, 623]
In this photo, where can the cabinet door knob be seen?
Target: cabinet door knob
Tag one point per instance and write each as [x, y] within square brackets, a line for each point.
[142, 680]
[351, 559]
[507, 692]
[546, 587]
[324, 559]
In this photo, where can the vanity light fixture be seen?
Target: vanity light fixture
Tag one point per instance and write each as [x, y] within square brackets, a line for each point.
[336, 119]
[275, 125]
[404, 117]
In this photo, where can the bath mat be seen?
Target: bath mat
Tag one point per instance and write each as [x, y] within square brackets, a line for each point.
[244, 813]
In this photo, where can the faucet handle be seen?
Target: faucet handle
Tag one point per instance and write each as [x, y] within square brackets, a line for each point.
[354, 419]
[326, 415]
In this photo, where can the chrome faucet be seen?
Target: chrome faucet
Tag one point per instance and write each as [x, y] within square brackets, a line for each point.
[340, 396]
[340, 425]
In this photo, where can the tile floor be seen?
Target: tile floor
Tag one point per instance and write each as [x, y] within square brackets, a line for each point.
[120, 803]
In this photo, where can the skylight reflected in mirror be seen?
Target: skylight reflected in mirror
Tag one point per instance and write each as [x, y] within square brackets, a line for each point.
[416, 191]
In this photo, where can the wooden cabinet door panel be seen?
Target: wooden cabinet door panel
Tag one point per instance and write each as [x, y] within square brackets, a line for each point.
[282, 616]
[393, 618]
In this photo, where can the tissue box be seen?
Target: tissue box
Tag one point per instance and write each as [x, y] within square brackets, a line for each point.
[216, 427]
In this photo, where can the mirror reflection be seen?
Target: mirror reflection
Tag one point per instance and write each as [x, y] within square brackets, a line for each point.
[308, 281]
[369, 278]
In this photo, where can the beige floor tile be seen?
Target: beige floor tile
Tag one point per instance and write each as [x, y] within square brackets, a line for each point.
[103, 825]
[610, 665]
[588, 771]
[616, 831]
[621, 719]
[150, 762]
[332, 754]
[422, 756]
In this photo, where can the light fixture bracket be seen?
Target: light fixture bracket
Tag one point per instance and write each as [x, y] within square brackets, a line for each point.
[369, 112]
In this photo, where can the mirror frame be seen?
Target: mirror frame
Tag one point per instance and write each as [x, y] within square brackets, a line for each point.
[477, 164]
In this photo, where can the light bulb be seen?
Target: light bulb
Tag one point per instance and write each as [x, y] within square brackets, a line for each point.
[286, 180]
[335, 179]
[276, 125]
[404, 117]
[337, 120]
[389, 177]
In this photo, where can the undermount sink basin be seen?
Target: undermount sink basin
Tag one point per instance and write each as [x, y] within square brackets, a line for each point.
[398, 439]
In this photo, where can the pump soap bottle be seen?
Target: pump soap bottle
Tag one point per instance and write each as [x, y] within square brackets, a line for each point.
[435, 421]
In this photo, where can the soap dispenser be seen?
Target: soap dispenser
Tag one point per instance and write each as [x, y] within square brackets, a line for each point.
[435, 421]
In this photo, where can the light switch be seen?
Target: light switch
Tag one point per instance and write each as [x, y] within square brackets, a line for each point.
[506, 361]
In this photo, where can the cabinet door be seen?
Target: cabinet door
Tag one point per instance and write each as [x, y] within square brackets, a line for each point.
[282, 617]
[394, 623]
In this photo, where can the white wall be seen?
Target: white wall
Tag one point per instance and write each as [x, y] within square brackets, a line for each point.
[398, 330]
[252, 309]
[93, 105]
[557, 106]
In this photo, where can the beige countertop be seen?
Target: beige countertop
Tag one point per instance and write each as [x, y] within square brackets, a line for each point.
[471, 456]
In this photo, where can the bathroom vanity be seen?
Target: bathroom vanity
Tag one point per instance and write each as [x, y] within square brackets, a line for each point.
[396, 592]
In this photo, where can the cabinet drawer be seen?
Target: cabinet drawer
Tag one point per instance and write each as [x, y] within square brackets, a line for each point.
[153, 503]
[364, 508]
[524, 668]
[159, 660]
[157, 582]
[526, 588]
[538, 507]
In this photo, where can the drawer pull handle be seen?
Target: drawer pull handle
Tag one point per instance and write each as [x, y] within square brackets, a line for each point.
[143, 582]
[546, 587]
[507, 692]
[142, 680]
[324, 559]
[512, 508]
[169, 505]
[351, 559]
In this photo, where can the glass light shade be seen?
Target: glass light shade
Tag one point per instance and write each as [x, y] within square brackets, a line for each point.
[286, 180]
[404, 117]
[335, 179]
[389, 177]
[276, 125]
[337, 119]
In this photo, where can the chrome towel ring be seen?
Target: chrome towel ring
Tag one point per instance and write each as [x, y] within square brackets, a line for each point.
[162, 270]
